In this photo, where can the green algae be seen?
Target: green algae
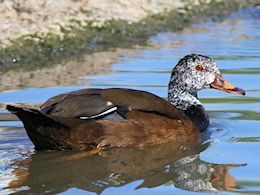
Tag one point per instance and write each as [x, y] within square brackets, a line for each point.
[38, 50]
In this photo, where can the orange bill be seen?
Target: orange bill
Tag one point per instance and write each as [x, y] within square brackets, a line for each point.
[221, 84]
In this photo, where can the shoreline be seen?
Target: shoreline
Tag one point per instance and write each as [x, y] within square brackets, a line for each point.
[41, 49]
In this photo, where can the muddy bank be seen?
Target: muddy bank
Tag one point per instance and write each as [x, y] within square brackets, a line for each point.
[46, 16]
[46, 32]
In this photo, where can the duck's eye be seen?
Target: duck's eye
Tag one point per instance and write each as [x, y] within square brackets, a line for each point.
[199, 68]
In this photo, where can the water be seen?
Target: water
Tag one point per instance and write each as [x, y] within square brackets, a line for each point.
[225, 161]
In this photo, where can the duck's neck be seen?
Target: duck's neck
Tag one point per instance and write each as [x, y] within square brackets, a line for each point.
[181, 98]
[189, 104]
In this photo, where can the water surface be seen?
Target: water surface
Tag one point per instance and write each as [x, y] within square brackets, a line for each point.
[225, 161]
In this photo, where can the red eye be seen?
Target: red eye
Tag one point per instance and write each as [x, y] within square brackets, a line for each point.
[199, 68]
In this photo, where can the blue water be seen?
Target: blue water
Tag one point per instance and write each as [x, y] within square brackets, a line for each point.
[227, 159]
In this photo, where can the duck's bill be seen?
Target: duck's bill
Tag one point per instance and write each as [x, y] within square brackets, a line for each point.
[221, 84]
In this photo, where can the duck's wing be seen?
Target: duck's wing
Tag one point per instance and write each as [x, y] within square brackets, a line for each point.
[98, 103]
[83, 106]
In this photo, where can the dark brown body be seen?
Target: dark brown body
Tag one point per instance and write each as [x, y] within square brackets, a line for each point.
[142, 119]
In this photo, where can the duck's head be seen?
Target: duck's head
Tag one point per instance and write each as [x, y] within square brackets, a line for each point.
[193, 73]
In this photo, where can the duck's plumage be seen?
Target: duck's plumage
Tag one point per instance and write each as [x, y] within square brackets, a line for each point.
[93, 102]
[140, 119]
[116, 117]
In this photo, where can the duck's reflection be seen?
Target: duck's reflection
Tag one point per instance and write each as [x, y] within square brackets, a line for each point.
[180, 164]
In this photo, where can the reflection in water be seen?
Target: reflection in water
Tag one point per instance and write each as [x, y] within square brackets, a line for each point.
[65, 74]
[178, 164]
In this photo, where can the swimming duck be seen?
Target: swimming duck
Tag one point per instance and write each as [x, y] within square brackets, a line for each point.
[117, 117]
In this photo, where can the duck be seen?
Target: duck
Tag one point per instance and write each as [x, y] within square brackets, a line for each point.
[95, 118]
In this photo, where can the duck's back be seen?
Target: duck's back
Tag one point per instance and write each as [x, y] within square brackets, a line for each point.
[99, 103]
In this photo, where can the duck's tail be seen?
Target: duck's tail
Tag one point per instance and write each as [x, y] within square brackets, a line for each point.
[38, 125]
[33, 117]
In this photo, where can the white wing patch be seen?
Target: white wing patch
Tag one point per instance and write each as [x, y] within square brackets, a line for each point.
[100, 114]
[109, 104]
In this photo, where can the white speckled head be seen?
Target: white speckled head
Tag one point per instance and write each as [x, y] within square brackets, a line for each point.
[192, 73]
[195, 72]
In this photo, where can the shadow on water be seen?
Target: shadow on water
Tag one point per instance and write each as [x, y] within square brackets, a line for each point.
[172, 164]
